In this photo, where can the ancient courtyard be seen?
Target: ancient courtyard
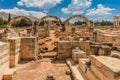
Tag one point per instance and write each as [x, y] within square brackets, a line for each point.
[60, 52]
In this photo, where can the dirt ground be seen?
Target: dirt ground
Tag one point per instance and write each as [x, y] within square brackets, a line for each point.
[38, 70]
[49, 44]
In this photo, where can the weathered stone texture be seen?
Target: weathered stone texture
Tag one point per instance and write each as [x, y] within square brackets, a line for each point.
[113, 38]
[4, 58]
[14, 51]
[77, 53]
[64, 49]
[86, 70]
[106, 68]
[28, 48]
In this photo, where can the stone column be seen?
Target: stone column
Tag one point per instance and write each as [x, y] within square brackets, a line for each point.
[14, 51]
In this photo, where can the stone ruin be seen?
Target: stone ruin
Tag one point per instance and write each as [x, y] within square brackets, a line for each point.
[116, 21]
[90, 54]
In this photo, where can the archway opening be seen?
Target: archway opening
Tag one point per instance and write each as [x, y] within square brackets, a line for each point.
[76, 23]
[19, 24]
[86, 22]
[46, 28]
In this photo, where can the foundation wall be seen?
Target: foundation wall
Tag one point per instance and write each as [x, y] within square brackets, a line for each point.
[109, 38]
[14, 51]
[65, 47]
[105, 68]
[28, 48]
[4, 58]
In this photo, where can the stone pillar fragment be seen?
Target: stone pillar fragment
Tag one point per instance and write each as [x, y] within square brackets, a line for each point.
[4, 58]
[14, 51]
[28, 48]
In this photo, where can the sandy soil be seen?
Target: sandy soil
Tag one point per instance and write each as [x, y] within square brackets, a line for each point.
[38, 70]
[49, 44]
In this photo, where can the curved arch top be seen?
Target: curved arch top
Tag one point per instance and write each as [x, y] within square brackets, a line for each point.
[79, 16]
[49, 16]
[17, 18]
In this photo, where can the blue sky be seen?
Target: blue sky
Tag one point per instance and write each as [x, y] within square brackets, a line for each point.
[92, 9]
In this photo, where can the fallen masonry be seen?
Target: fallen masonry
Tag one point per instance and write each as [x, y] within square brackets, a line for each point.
[60, 51]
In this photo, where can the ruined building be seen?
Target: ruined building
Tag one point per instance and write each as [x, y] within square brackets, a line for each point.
[60, 52]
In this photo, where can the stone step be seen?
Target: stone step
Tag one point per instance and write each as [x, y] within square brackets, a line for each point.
[86, 70]
[75, 72]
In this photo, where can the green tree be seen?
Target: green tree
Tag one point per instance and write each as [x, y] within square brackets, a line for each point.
[1, 21]
[24, 22]
[79, 23]
[5, 22]
[9, 17]
[16, 23]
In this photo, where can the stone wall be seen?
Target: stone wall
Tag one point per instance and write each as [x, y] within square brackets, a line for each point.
[4, 58]
[14, 51]
[100, 67]
[85, 46]
[65, 47]
[105, 68]
[28, 48]
[113, 38]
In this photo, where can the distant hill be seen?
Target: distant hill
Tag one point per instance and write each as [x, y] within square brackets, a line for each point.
[5, 16]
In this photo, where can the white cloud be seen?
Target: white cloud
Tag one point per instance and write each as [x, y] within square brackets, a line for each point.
[100, 11]
[20, 3]
[42, 4]
[77, 7]
[23, 12]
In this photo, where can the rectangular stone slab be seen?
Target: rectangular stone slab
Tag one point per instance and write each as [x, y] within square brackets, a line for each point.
[4, 58]
[108, 66]
[28, 48]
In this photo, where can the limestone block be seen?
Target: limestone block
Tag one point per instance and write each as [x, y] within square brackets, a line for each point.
[87, 72]
[98, 73]
[7, 77]
[74, 44]
[95, 49]
[28, 48]
[104, 51]
[82, 65]
[14, 51]
[81, 43]
[108, 66]
[64, 49]
[111, 38]
[4, 58]
[76, 54]
[12, 61]
[84, 45]
[4, 52]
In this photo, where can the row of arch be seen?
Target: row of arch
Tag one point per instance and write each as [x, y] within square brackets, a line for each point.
[88, 23]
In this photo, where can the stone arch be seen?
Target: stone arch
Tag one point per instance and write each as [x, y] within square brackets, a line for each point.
[17, 18]
[89, 24]
[49, 16]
